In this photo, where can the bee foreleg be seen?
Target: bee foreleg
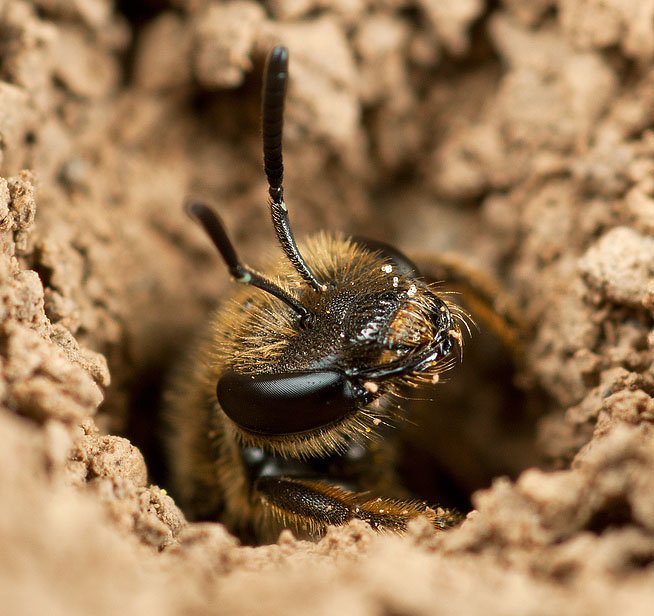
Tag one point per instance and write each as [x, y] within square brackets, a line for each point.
[314, 505]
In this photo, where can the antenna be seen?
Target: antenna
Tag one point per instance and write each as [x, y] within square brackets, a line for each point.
[272, 120]
[214, 227]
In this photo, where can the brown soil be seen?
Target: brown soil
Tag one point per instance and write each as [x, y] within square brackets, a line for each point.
[516, 133]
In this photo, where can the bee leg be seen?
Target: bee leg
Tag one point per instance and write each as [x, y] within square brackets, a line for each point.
[314, 505]
[482, 295]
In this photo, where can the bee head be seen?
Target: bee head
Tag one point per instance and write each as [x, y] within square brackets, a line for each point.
[375, 319]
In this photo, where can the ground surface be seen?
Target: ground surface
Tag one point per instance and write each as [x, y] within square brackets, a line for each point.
[517, 133]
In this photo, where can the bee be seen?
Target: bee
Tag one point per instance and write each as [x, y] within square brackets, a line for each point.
[282, 415]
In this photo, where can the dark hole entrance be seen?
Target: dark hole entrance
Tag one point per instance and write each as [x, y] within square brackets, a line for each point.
[478, 426]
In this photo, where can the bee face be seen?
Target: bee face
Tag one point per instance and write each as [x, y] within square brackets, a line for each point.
[275, 414]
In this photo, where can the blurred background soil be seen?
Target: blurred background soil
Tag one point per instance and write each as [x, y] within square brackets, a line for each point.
[517, 134]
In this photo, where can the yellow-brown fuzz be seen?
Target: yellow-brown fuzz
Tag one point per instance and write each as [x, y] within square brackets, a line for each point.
[250, 333]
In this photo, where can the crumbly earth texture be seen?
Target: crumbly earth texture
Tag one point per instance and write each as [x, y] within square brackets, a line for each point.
[518, 134]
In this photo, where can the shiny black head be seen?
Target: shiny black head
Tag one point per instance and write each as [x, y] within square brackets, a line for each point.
[314, 349]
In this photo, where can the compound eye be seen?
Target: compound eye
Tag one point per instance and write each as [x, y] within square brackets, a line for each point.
[280, 404]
